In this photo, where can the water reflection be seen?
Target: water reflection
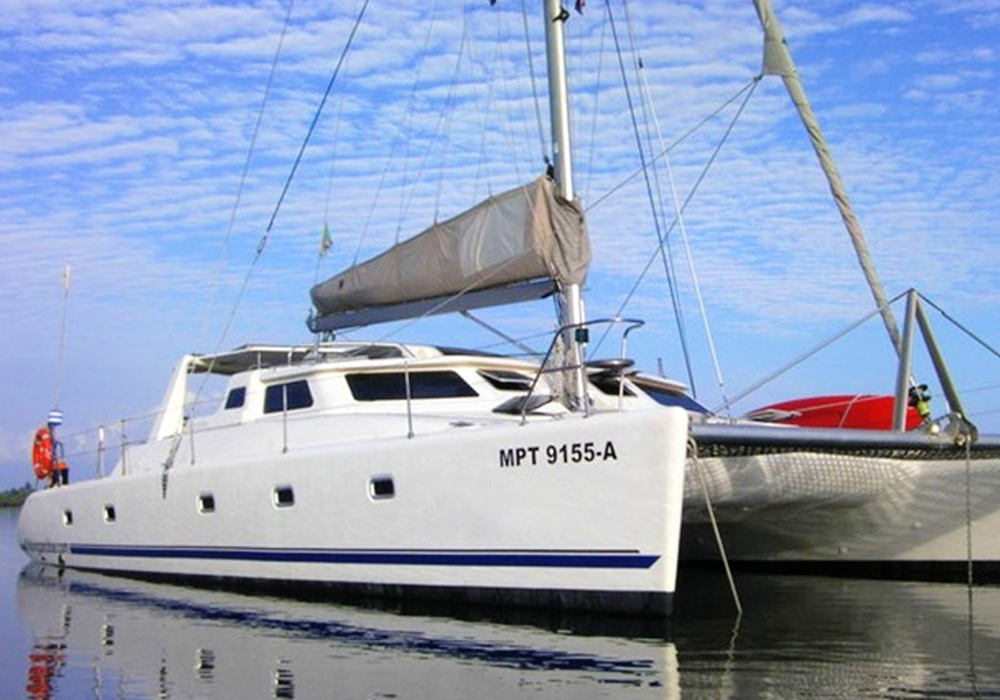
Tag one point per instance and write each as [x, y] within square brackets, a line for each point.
[799, 637]
[173, 642]
[829, 637]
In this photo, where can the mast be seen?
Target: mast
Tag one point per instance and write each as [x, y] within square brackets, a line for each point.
[572, 314]
[778, 61]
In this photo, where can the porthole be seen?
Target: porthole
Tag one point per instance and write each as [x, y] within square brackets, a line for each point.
[109, 513]
[381, 487]
[67, 517]
[284, 496]
[206, 503]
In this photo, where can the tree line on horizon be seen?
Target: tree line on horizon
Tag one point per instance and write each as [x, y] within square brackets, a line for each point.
[15, 497]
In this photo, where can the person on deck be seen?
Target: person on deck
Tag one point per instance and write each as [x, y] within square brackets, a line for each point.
[60, 470]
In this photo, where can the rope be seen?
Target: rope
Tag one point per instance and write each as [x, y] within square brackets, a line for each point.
[693, 452]
[970, 588]
[968, 514]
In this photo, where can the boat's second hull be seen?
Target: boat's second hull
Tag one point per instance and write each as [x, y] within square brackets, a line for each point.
[908, 514]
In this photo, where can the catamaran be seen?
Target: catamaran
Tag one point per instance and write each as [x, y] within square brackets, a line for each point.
[406, 470]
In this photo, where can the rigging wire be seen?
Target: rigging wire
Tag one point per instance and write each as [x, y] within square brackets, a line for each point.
[444, 123]
[657, 207]
[545, 149]
[694, 189]
[326, 242]
[505, 124]
[805, 356]
[660, 235]
[596, 112]
[486, 111]
[251, 149]
[677, 142]
[961, 327]
[396, 140]
[406, 201]
[262, 243]
[682, 228]
[309, 132]
[61, 359]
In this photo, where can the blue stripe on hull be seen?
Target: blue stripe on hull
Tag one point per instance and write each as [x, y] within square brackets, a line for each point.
[531, 559]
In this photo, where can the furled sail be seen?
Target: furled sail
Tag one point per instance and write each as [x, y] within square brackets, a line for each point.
[515, 246]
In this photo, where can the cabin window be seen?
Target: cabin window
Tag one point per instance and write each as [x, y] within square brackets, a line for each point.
[67, 517]
[381, 487]
[609, 385]
[670, 398]
[236, 397]
[390, 386]
[109, 513]
[290, 396]
[206, 503]
[284, 496]
[505, 380]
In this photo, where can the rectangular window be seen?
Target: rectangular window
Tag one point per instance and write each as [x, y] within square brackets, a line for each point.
[109, 513]
[206, 503]
[391, 386]
[381, 487]
[505, 380]
[290, 396]
[284, 496]
[236, 397]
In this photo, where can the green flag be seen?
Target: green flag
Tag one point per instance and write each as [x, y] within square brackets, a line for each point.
[326, 243]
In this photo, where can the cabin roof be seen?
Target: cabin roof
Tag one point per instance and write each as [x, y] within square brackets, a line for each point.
[259, 356]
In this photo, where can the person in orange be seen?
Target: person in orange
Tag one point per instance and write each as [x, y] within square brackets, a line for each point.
[60, 470]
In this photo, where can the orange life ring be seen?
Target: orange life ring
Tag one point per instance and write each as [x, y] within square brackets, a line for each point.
[41, 454]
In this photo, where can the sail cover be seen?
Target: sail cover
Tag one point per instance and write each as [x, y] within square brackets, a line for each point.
[487, 255]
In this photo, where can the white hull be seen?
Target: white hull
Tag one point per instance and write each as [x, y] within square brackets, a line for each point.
[598, 531]
[912, 510]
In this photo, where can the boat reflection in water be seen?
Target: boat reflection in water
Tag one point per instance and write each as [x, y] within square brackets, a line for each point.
[101, 636]
[98, 635]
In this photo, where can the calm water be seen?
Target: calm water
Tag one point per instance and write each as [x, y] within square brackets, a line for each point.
[89, 636]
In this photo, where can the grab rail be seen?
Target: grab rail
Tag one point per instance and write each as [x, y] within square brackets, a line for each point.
[582, 329]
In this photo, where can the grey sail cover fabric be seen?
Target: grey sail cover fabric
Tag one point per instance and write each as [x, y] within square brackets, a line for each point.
[524, 234]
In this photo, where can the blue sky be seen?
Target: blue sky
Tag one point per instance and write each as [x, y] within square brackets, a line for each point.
[125, 127]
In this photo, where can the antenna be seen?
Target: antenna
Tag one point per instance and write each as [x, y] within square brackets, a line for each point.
[62, 336]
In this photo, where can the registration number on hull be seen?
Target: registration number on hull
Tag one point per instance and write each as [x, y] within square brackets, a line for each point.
[565, 453]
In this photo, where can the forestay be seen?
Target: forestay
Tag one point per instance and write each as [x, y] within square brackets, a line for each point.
[517, 245]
